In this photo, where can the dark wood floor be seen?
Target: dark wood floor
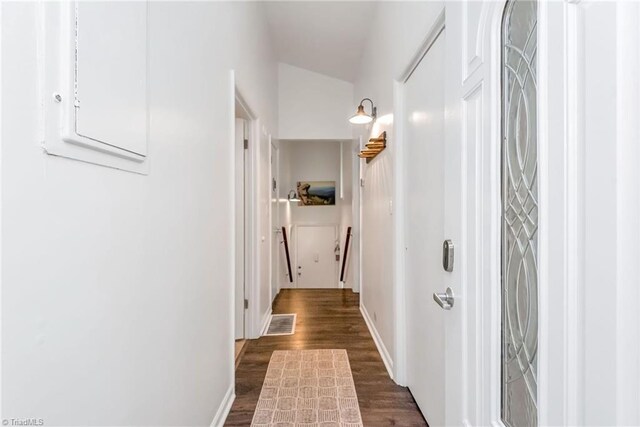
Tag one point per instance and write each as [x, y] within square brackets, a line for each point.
[327, 318]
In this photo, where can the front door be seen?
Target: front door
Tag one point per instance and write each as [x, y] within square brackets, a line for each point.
[424, 234]
[317, 266]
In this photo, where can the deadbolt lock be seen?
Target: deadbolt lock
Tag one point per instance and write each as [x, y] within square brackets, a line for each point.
[447, 255]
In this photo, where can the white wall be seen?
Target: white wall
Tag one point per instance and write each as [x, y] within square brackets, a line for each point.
[312, 105]
[284, 182]
[406, 24]
[116, 287]
[348, 154]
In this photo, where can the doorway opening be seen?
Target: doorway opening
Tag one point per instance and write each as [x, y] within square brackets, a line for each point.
[315, 214]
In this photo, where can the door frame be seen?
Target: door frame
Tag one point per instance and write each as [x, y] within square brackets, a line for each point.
[253, 321]
[356, 208]
[295, 233]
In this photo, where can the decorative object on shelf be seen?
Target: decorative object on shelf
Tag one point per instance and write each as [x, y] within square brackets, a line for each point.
[293, 196]
[374, 147]
[361, 117]
[317, 193]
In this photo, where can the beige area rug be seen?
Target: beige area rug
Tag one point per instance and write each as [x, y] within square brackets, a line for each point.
[308, 388]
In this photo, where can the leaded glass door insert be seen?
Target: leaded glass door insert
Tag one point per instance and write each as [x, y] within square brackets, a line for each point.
[519, 215]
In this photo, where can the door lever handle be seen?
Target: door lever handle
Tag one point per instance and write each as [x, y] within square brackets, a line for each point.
[444, 300]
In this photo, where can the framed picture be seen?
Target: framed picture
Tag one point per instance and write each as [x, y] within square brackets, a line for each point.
[317, 193]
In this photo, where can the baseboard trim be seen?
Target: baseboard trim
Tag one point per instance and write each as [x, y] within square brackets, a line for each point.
[265, 323]
[384, 354]
[225, 408]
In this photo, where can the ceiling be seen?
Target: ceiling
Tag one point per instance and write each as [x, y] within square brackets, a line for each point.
[322, 36]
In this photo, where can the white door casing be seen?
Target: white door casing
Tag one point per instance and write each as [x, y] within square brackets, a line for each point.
[256, 210]
[316, 266]
[589, 344]
[239, 228]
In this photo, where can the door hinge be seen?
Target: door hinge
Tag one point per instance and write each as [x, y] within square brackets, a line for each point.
[246, 144]
[246, 304]
[361, 182]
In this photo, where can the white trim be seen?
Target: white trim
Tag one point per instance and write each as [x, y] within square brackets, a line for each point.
[232, 213]
[399, 242]
[436, 28]
[271, 228]
[560, 192]
[628, 205]
[341, 171]
[225, 407]
[252, 226]
[544, 243]
[265, 322]
[574, 220]
[1, 198]
[384, 354]
[489, 247]
[360, 176]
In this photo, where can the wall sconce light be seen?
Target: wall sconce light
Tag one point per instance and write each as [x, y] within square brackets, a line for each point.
[361, 117]
[293, 196]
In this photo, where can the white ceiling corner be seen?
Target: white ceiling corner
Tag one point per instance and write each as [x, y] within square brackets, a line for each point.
[327, 37]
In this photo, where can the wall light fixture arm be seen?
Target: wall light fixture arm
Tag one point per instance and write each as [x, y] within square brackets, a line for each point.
[374, 110]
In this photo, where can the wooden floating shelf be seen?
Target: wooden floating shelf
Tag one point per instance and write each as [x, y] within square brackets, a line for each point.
[374, 147]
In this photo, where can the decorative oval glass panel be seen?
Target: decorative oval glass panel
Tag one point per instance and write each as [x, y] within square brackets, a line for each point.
[519, 215]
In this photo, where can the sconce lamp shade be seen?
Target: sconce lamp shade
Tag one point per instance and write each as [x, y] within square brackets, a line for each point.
[361, 117]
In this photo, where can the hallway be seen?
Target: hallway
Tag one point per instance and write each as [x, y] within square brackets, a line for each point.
[326, 319]
[445, 193]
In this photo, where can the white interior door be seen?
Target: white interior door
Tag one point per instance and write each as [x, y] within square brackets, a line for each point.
[240, 172]
[316, 265]
[424, 234]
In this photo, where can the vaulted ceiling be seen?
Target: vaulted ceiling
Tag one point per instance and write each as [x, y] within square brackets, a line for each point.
[322, 36]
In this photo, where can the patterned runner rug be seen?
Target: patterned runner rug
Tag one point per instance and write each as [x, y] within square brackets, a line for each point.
[308, 388]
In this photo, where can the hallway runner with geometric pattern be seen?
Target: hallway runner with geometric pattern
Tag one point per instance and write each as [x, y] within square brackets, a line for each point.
[308, 388]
